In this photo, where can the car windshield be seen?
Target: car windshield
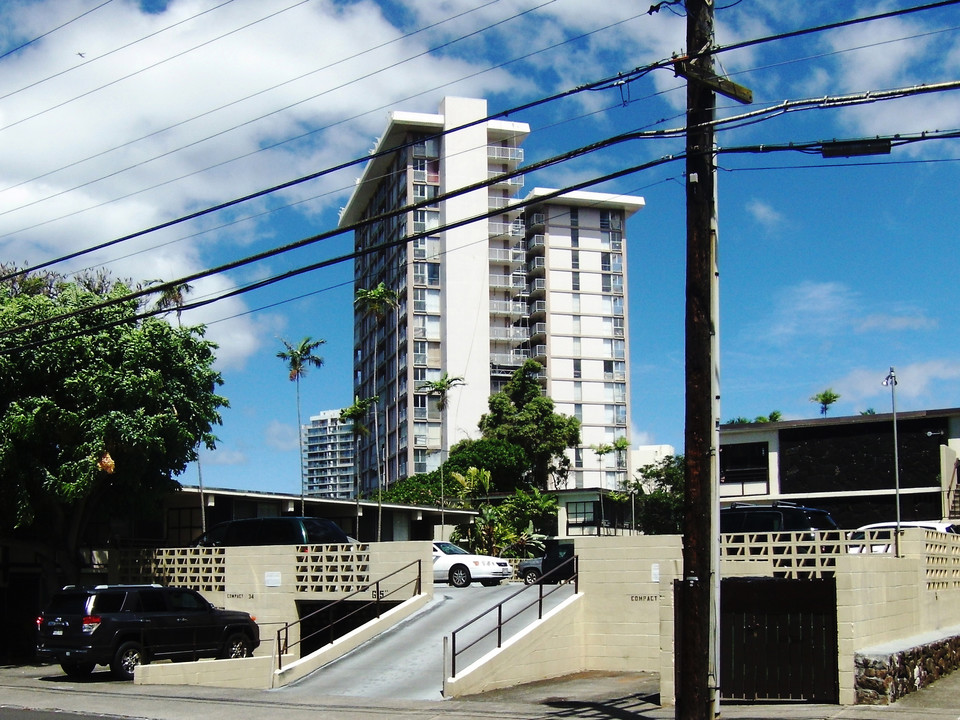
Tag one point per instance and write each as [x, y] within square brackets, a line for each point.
[450, 549]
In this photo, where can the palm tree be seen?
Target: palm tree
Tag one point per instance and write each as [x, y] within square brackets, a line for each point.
[357, 414]
[173, 296]
[826, 398]
[439, 389]
[377, 303]
[299, 359]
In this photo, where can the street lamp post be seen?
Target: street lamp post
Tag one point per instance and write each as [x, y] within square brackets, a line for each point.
[891, 381]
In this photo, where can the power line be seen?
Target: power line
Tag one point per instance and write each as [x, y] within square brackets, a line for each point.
[301, 136]
[115, 50]
[235, 102]
[380, 247]
[151, 66]
[620, 78]
[50, 32]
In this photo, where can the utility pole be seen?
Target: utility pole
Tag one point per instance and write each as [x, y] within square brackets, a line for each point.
[696, 635]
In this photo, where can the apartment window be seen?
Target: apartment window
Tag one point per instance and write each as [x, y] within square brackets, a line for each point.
[574, 216]
[578, 391]
[575, 259]
[578, 411]
[577, 349]
[577, 368]
[420, 407]
[576, 324]
[611, 220]
[575, 302]
[578, 457]
[746, 462]
[574, 237]
[423, 192]
[575, 280]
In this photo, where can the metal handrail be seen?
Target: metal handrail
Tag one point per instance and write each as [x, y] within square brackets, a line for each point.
[575, 577]
[283, 644]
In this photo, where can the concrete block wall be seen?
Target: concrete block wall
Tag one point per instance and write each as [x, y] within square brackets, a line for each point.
[628, 585]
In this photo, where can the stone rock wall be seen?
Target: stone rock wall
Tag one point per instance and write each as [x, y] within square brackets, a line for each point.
[883, 679]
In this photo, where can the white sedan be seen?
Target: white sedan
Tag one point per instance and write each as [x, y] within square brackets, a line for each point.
[458, 567]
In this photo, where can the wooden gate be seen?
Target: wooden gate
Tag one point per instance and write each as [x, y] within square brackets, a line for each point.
[778, 639]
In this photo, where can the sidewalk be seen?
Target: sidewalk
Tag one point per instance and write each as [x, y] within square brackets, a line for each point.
[592, 695]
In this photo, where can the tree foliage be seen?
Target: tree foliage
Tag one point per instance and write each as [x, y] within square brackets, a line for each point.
[826, 398]
[522, 415]
[95, 405]
[657, 492]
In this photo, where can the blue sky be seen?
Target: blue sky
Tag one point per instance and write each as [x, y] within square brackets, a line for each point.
[116, 118]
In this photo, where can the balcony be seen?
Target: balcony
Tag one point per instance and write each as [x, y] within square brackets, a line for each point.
[514, 359]
[537, 287]
[505, 229]
[501, 282]
[538, 329]
[495, 202]
[509, 333]
[508, 307]
[538, 308]
[500, 181]
[539, 351]
[509, 154]
[507, 256]
[537, 265]
[536, 242]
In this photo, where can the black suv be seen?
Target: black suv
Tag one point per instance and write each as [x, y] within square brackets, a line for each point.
[125, 625]
[776, 517]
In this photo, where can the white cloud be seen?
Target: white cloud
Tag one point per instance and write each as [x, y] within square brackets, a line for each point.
[765, 214]
[918, 385]
[281, 436]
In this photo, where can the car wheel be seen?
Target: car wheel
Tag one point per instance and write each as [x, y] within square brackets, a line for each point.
[459, 576]
[77, 669]
[237, 646]
[125, 661]
[530, 576]
[490, 583]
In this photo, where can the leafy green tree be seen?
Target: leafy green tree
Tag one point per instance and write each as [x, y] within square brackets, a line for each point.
[299, 358]
[826, 398]
[657, 492]
[523, 415]
[100, 409]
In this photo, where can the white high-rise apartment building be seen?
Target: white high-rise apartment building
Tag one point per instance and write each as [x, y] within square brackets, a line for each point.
[328, 450]
[546, 281]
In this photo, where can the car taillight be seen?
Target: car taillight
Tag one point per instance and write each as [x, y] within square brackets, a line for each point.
[39, 621]
[90, 623]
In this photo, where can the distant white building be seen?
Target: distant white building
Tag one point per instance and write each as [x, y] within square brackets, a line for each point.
[546, 281]
[328, 451]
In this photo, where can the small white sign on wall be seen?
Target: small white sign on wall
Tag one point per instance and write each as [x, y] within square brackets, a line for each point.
[655, 572]
[271, 579]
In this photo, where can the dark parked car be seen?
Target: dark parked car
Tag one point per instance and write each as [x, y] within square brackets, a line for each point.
[273, 531]
[124, 626]
[776, 517]
[557, 553]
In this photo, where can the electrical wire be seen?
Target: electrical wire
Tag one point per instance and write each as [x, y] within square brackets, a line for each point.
[273, 146]
[608, 82]
[50, 32]
[151, 66]
[380, 247]
[115, 50]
